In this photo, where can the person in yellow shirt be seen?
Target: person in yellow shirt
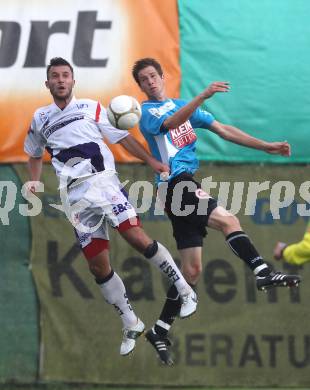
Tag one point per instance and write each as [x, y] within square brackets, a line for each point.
[297, 253]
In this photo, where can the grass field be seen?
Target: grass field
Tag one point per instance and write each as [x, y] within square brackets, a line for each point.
[110, 387]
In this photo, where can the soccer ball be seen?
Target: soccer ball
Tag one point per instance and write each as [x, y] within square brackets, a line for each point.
[124, 112]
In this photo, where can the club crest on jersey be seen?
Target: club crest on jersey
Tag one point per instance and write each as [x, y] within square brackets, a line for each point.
[183, 135]
[43, 116]
[201, 194]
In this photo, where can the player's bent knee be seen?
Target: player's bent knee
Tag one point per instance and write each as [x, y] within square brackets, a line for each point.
[98, 271]
[100, 266]
[230, 222]
[192, 273]
[95, 269]
[135, 236]
[234, 221]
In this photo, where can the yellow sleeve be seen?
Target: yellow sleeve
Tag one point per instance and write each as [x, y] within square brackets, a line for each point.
[298, 253]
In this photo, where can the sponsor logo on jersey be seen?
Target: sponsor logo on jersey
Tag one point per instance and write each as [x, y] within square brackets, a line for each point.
[183, 135]
[162, 110]
[50, 130]
[84, 238]
[81, 106]
[120, 208]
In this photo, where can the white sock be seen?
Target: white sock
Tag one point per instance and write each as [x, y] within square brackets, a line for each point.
[114, 293]
[164, 261]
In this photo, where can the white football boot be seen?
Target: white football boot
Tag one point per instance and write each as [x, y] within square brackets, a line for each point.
[129, 337]
[189, 303]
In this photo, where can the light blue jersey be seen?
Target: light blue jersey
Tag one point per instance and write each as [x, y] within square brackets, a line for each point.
[174, 147]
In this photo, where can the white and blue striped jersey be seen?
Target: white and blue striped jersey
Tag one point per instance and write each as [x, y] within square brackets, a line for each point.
[74, 138]
[175, 147]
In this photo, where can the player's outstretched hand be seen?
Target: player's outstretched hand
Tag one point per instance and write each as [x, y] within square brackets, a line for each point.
[159, 167]
[278, 250]
[282, 148]
[216, 86]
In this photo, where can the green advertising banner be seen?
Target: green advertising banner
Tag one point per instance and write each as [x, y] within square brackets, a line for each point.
[262, 48]
[19, 335]
[239, 336]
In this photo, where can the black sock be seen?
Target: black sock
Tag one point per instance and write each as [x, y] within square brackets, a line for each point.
[170, 310]
[241, 245]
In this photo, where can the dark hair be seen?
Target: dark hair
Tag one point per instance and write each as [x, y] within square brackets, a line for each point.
[58, 61]
[143, 63]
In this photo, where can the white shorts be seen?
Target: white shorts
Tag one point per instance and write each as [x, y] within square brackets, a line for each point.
[94, 203]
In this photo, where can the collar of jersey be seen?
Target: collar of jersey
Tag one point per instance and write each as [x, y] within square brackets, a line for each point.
[54, 105]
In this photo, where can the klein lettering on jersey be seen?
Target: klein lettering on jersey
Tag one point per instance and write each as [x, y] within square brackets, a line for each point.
[183, 135]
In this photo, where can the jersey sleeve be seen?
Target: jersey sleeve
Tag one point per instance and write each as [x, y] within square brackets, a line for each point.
[201, 118]
[112, 134]
[152, 120]
[34, 144]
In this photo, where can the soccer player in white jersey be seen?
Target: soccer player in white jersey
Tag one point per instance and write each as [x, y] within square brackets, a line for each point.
[168, 126]
[72, 130]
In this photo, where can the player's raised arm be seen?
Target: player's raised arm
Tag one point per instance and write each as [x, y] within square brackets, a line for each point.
[183, 114]
[237, 136]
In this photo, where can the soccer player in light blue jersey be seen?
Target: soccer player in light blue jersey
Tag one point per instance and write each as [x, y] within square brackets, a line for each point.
[168, 126]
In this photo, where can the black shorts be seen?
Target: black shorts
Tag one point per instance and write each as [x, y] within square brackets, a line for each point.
[190, 229]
